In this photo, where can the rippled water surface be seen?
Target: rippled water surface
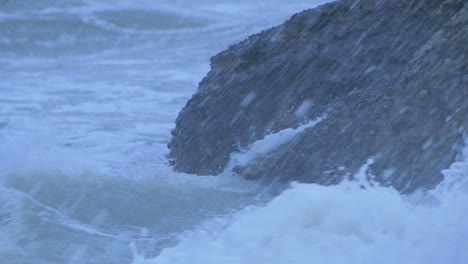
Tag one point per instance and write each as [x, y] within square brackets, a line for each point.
[89, 91]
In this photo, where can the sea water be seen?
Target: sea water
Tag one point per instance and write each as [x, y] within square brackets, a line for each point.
[89, 91]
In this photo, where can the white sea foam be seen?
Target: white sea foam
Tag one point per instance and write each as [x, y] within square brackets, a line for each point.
[85, 115]
[338, 224]
[269, 143]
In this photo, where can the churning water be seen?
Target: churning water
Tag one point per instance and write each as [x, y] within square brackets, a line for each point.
[89, 91]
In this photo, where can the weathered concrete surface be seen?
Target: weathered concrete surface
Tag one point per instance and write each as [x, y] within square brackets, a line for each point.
[391, 76]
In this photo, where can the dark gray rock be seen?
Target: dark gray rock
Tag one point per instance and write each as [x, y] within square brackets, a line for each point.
[389, 75]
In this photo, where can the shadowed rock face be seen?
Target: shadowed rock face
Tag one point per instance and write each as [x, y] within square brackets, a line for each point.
[391, 77]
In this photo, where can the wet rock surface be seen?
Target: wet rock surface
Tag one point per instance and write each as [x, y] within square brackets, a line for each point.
[390, 76]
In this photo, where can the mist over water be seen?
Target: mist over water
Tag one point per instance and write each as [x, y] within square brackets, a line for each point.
[89, 91]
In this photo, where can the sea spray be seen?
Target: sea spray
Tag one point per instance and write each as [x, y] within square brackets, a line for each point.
[337, 224]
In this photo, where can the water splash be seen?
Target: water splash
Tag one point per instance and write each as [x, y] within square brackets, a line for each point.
[338, 224]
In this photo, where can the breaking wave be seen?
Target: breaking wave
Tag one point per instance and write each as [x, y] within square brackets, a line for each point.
[354, 222]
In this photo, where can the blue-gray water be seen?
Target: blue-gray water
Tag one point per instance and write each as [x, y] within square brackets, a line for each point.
[89, 91]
